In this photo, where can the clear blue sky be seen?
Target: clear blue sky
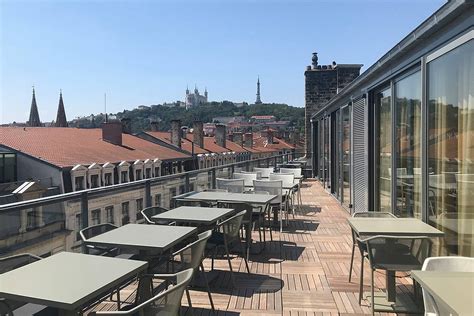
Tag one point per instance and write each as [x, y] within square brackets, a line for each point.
[146, 52]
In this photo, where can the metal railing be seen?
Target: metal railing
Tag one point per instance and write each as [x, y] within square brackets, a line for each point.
[186, 181]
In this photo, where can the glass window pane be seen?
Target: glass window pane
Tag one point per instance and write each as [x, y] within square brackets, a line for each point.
[383, 101]
[451, 147]
[408, 145]
[346, 155]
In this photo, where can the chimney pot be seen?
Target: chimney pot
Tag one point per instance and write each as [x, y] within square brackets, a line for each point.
[238, 138]
[112, 132]
[176, 133]
[220, 135]
[198, 133]
[154, 126]
[248, 140]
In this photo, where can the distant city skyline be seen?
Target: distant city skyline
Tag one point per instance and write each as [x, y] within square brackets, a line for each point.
[143, 53]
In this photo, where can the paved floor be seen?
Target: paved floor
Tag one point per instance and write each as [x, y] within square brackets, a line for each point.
[303, 271]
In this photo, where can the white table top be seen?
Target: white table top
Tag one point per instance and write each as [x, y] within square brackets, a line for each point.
[67, 281]
[454, 290]
[195, 214]
[230, 197]
[143, 237]
[370, 226]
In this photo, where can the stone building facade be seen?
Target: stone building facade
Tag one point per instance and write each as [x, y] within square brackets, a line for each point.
[322, 82]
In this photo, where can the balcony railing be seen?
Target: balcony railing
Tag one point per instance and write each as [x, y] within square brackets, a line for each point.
[47, 225]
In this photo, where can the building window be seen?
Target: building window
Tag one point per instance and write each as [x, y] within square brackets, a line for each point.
[95, 217]
[158, 200]
[138, 174]
[139, 203]
[78, 225]
[31, 219]
[172, 194]
[94, 181]
[148, 173]
[182, 189]
[157, 171]
[108, 179]
[408, 146]
[109, 213]
[124, 176]
[79, 182]
[383, 102]
[125, 213]
[450, 147]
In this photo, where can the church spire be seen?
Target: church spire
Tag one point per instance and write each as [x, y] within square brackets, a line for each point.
[61, 116]
[34, 120]
[258, 101]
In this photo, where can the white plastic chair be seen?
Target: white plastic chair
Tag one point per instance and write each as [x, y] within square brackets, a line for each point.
[247, 177]
[274, 188]
[298, 175]
[231, 185]
[265, 172]
[452, 264]
[288, 180]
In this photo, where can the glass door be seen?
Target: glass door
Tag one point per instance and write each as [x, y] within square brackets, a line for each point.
[346, 155]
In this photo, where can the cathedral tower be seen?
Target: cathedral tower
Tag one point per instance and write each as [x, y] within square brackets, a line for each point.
[61, 116]
[34, 120]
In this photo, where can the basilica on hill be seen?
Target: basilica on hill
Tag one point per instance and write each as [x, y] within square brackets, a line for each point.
[195, 99]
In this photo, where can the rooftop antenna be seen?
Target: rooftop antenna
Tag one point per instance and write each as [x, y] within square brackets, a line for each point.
[105, 106]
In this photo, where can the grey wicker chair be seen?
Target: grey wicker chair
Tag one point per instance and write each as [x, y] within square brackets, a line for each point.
[149, 212]
[274, 187]
[231, 185]
[264, 172]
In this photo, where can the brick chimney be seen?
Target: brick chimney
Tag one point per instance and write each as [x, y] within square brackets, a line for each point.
[238, 138]
[220, 135]
[230, 137]
[198, 133]
[248, 140]
[154, 126]
[268, 135]
[112, 132]
[126, 125]
[176, 133]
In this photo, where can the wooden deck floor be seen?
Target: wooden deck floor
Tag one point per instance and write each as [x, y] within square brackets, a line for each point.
[304, 271]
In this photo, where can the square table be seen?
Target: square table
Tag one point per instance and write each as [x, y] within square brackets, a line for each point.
[260, 199]
[370, 226]
[453, 290]
[195, 215]
[145, 238]
[68, 281]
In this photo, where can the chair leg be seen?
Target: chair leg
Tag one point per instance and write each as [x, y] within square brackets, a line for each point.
[189, 301]
[372, 291]
[245, 260]
[207, 286]
[230, 263]
[361, 281]
[270, 223]
[352, 262]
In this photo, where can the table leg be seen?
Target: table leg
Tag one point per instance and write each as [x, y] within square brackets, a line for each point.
[390, 285]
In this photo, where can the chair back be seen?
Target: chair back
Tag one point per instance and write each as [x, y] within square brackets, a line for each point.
[191, 255]
[247, 177]
[296, 171]
[17, 261]
[167, 302]
[448, 264]
[92, 231]
[231, 226]
[238, 207]
[272, 187]
[403, 253]
[258, 173]
[149, 212]
[264, 172]
[287, 179]
[231, 185]
[215, 190]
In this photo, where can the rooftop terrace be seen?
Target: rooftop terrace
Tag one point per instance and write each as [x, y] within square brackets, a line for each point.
[304, 271]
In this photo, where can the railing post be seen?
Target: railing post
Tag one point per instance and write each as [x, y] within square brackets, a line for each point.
[213, 178]
[147, 193]
[275, 161]
[186, 182]
[84, 216]
[268, 162]
[232, 171]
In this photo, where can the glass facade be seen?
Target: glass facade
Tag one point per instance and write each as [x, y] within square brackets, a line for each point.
[451, 147]
[383, 143]
[408, 145]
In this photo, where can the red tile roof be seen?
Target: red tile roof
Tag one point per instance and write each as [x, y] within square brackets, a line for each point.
[67, 147]
[278, 143]
[186, 143]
